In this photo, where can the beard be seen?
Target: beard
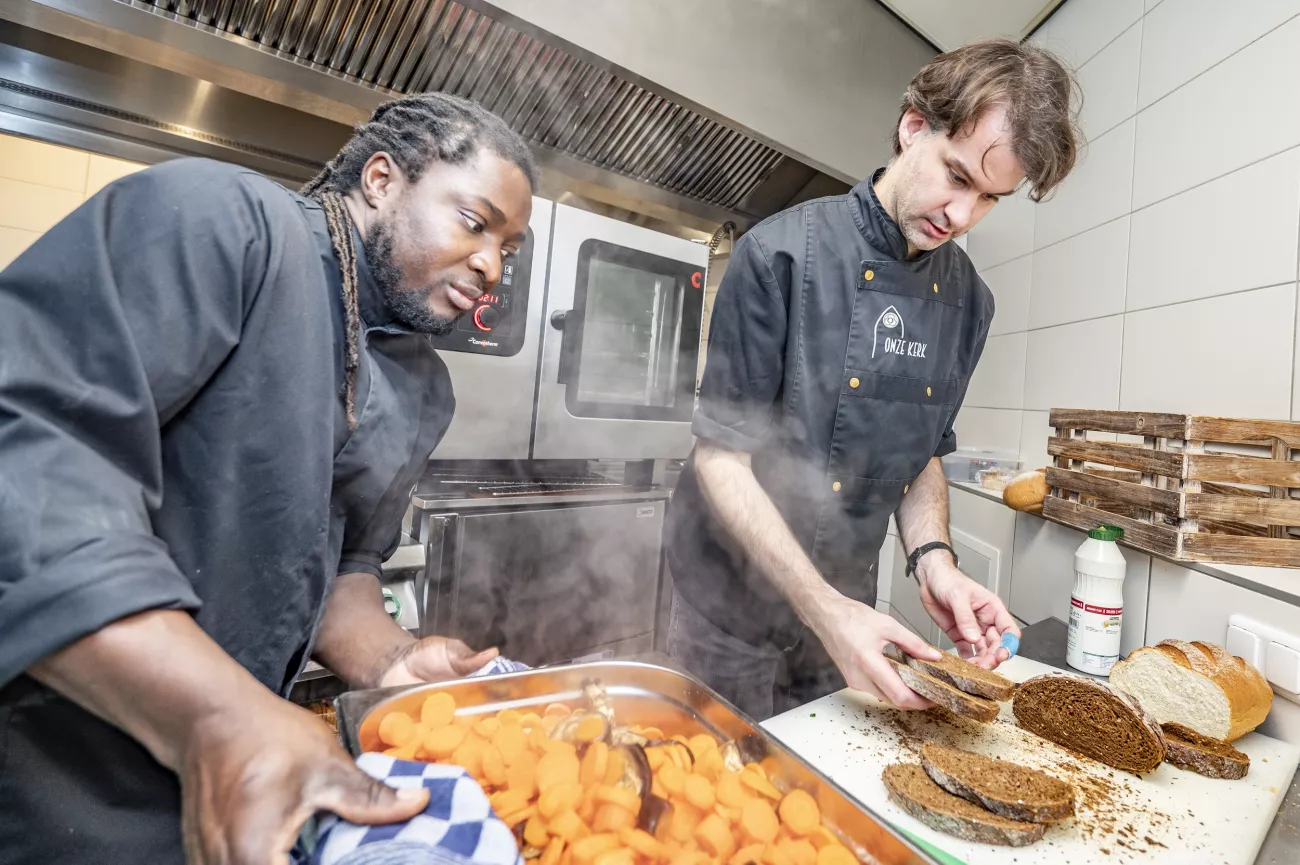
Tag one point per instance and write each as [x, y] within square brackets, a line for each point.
[410, 306]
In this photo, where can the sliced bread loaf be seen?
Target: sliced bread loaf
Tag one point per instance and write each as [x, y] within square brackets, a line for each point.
[943, 694]
[962, 675]
[1197, 685]
[912, 790]
[1091, 718]
[1188, 749]
[1006, 789]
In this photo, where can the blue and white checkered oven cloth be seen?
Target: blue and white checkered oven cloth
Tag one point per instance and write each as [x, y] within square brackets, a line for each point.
[456, 828]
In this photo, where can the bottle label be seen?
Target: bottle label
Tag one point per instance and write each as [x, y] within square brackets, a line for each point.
[1092, 643]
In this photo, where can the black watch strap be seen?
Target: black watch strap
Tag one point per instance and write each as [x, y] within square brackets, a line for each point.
[927, 548]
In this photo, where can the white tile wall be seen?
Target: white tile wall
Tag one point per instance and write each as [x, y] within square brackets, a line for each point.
[1254, 211]
[1034, 432]
[1082, 277]
[12, 242]
[1229, 356]
[1110, 81]
[1010, 286]
[1186, 37]
[1006, 232]
[33, 207]
[1074, 365]
[999, 379]
[1078, 30]
[103, 170]
[42, 164]
[1190, 605]
[1098, 190]
[989, 429]
[1225, 119]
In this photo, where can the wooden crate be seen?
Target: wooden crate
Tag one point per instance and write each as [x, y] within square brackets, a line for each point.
[1197, 489]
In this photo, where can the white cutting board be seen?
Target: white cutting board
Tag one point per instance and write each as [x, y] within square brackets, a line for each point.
[1169, 817]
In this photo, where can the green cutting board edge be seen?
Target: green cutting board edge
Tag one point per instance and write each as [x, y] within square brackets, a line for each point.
[940, 856]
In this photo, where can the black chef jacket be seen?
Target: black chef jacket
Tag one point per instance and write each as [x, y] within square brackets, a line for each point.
[172, 436]
[839, 365]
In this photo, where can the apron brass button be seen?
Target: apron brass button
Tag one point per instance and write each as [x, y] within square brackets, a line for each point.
[871, 567]
[853, 382]
[869, 275]
[929, 392]
[906, 487]
[836, 486]
[936, 288]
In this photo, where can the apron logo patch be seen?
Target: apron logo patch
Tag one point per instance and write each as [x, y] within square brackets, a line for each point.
[890, 336]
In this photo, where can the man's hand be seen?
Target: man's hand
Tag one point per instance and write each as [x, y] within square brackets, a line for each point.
[252, 776]
[434, 659]
[973, 617]
[855, 635]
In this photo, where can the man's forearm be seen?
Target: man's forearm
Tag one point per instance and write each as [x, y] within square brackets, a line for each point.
[157, 676]
[357, 639]
[748, 514]
[923, 513]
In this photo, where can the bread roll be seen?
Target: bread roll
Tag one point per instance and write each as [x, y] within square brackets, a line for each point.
[1026, 492]
[1198, 685]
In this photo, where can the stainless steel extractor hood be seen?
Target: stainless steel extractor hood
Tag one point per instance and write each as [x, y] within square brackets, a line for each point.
[276, 84]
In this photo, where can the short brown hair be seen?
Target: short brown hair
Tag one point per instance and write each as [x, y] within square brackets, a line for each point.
[1037, 91]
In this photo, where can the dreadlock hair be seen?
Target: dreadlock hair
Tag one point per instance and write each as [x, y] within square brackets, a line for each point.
[415, 131]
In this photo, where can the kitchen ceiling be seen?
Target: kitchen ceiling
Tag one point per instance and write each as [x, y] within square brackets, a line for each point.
[951, 23]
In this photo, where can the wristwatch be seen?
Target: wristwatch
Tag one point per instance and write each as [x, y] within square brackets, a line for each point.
[922, 550]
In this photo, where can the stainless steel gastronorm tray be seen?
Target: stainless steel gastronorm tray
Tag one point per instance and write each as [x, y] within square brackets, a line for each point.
[645, 695]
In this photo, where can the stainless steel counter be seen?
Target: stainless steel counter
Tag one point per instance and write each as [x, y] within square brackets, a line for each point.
[1045, 642]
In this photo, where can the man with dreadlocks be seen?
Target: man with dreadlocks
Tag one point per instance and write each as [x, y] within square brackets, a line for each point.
[215, 397]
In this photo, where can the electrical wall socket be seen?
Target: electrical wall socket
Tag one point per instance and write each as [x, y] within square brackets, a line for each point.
[1272, 651]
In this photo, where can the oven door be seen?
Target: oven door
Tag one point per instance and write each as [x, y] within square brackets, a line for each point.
[621, 343]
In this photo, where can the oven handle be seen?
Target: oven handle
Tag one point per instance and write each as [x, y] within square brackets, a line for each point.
[570, 340]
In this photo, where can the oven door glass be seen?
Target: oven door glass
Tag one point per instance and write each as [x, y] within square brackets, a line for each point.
[632, 340]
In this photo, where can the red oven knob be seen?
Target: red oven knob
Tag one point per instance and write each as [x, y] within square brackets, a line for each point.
[486, 317]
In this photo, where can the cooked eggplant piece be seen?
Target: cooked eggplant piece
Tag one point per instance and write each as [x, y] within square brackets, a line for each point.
[731, 756]
[637, 776]
[624, 736]
[598, 700]
[653, 809]
[528, 851]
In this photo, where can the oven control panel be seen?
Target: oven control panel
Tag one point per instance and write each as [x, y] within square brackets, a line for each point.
[498, 322]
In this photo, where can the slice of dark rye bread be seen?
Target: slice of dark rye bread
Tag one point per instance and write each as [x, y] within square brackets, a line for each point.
[962, 675]
[912, 790]
[943, 694]
[1188, 749]
[1091, 718]
[1007, 789]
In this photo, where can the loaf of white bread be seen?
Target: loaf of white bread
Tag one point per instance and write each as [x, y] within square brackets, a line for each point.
[1198, 685]
[1026, 492]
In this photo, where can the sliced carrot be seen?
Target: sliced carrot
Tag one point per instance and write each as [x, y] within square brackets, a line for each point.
[529, 720]
[512, 741]
[494, 766]
[836, 854]
[749, 855]
[701, 745]
[731, 792]
[561, 797]
[590, 728]
[612, 818]
[710, 765]
[617, 765]
[549, 723]
[589, 848]
[759, 822]
[469, 755]
[487, 727]
[557, 767]
[620, 796]
[688, 857]
[396, 729]
[682, 823]
[798, 851]
[774, 855]
[657, 789]
[714, 835]
[821, 837]
[731, 815]
[756, 768]
[557, 710]
[699, 792]
[509, 800]
[760, 784]
[535, 832]
[654, 734]
[438, 709]
[514, 818]
[550, 746]
[405, 752]
[509, 717]
[537, 737]
[655, 757]
[621, 856]
[644, 844]
[594, 764]
[521, 775]
[441, 742]
[551, 855]
[799, 811]
[673, 778]
[568, 826]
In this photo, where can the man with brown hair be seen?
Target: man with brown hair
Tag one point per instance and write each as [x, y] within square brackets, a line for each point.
[842, 340]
